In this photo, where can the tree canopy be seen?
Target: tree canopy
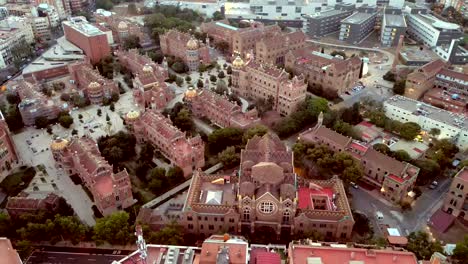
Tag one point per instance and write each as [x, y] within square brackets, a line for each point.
[131, 42]
[420, 244]
[118, 147]
[114, 229]
[409, 130]
[460, 253]
[224, 137]
[229, 157]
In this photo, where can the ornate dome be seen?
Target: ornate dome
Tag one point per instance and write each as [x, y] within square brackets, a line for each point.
[147, 68]
[122, 26]
[132, 115]
[238, 62]
[192, 44]
[190, 93]
[94, 86]
[58, 144]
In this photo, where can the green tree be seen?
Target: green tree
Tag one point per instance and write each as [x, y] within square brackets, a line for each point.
[399, 87]
[340, 53]
[200, 83]
[382, 148]
[175, 176]
[74, 132]
[104, 4]
[188, 79]
[65, 120]
[41, 122]
[434, 132]
[460, 253]
[221, 88]
[409, 130]
[156, 56]
[184, 120]
[258, 130]
[179, 67]
[401, 155]
[212, 78]
[229, 157]
[131, 42]
[389, 76]
[429, 170]
[147, 152]
[420, 244]
[114, 229]
[99, 112]
[158, 181]
[24, 248]
[224, 137]
[112, 107]
[132, 9]
[218, 16]
[106, 66]
[179, 81]
[13, 98]
[343, 128]
[221, 75]
[361, 224]
[169, 235]
[229, 70]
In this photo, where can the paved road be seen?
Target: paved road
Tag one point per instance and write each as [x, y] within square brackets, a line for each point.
[45, 257]
[406, 222]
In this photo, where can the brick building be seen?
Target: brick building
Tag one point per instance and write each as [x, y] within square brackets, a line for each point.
[90, 83]
[394, 178]
[153, 127]
[421, 80]
[8, 156]
[31, 203]
[219, 109]
[111, 191]
[456, 199]
[87, 37]
[272, 49]
[121, 27]
[323, 70]
[240, 40]
[452, 81]
[260, 81]
[265, 196]
[184, 46]
[448, 100]
[33, 103]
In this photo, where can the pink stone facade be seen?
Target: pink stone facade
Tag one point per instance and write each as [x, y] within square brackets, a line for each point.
[265, 195]
[272, 49]
[122, 28]
[33, 103]
[184, 46]
[219, 109]
[256, 80]
[91, 83]
[323, 70]
[8, 156]
[111, 191]
[153, 127]
[25, 203]
[394, 178]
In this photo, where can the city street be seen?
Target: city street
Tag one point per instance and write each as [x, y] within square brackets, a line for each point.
[369, 202]
[47, 257]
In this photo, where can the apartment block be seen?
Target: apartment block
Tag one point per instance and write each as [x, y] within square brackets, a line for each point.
[355, 28]
[456, 199]
[327, 21]
[393, 26]
[8, 156]
[451, 125]
[394, 178]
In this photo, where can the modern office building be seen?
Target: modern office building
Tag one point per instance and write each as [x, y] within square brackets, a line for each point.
[451, 125]
[269, 83]
[394, 178]
[111, 191]
[355, 28]
[456, 199]
[327, 21]
[182, 151]
[265, 195]
[87, 37]
[392, 27]
[428, 29]
[219, 109]
[453, 52]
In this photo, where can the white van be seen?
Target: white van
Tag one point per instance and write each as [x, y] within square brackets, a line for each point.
[379, 216]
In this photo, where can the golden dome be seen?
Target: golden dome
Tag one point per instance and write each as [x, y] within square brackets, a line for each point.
[94, 86]
[132, 115]
[192, 44]
[238, 62]
[122, 26]
[190, 93]
[147, 68]
[58, 144]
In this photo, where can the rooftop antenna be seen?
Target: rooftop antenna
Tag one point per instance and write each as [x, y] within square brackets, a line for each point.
[141, 243]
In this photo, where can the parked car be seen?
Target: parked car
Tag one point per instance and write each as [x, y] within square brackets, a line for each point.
[433, 185]
[355, 186]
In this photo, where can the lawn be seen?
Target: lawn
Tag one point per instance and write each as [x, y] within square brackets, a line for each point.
[14, 183]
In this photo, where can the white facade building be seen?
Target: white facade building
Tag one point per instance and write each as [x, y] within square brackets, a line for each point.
[8, 38]
[41, 27]
[451, 125]
[23, 25]
[205, 7]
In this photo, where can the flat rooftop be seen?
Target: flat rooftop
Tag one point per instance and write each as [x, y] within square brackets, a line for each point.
[326, 13]
[83, 27]
[429, 111]
[395, 20]
[413, 53]
[437, 23]
[357, 18]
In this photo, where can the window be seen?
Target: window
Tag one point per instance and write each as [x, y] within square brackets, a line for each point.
[201, 227]
[267, 207]
[343, 235]
[210, 227]
[323, 225]
[279, 9]
[286, 217]
[190, 226]
[298, 9]
[246, 214]
[231, 220]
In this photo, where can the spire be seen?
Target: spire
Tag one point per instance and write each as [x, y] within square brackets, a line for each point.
[141, 243]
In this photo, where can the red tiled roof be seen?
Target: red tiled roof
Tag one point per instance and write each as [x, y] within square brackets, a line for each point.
[396, 178]
[268, 258]
[431, 68]
[305, 196]
[441, 220]
[359, 147]
[397, 240]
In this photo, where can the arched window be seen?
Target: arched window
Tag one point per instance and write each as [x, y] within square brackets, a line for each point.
[246, 214]
[286, 217]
